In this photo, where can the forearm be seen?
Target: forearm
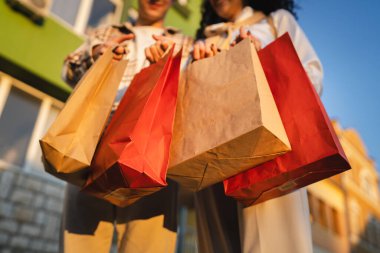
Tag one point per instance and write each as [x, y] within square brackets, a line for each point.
[76, 65]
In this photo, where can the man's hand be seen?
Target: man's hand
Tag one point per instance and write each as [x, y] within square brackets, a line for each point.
[202, 50]
[243, 34]
[156, 51]
[118, 51]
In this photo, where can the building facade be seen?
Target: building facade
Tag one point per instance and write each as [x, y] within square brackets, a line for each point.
[35, 37]
[345, 209]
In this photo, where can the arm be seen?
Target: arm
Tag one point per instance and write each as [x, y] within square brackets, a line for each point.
[285, 22]
[77, 63]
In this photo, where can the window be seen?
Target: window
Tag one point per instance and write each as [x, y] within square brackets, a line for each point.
[25, 114]
[335, 221]
[84, 15]
[102, 12]
[16, 125]
[354, 212]
[366, 184]
[322, 216]
[35, 153]
[66, 10]
[370, 233]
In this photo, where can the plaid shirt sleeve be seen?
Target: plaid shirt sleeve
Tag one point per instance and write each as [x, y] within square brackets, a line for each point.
[77, 63]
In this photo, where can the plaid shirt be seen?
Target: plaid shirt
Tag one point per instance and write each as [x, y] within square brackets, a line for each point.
[78, 62]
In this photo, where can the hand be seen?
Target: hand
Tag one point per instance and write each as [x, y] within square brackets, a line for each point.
[156, 51]
[202, 50]
[243, 34]
[118, 51]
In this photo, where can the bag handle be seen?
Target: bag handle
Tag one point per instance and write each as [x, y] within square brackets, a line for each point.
[272, 26]
[224, 42]
[256, 18]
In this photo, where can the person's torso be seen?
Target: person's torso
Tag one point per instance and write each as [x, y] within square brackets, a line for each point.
[136, 52]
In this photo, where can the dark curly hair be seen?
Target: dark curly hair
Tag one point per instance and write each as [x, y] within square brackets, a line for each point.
[210, 17]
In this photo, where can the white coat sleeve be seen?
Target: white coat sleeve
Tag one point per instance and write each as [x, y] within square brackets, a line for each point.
[285, 22]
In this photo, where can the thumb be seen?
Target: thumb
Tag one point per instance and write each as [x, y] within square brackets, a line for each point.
[158, 37]
[125, 37]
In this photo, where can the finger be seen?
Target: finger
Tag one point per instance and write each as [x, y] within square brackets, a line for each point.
[159, 37]
[159, 48]
[119, 50]
[243, 32]
[148, 55]
[202, 50]
[117, 57]
[123, 38]
[208, 53]
[164, 45]
[233, 43]
[255, 41]
[196, 53]
[155, 53]
[257, 44]
[214, 49]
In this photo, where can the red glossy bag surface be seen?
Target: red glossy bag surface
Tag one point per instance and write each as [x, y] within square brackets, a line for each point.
[131, 159]
[316, 152]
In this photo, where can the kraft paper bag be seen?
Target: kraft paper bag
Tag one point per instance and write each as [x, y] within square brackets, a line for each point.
[316, 151]
[70, 142]
[226, 120]
[131, 160]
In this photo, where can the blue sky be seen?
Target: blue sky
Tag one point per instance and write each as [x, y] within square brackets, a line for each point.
[346, 36]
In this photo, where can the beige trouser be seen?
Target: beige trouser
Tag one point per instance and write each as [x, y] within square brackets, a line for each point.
[149, 225]
[278, 225]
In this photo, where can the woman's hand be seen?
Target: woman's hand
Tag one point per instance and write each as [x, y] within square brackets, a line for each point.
[156, 51]
[243, 34]
[118, 51]
[202, 50]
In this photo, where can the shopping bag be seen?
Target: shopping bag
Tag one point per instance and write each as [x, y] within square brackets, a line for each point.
[132, 157]
[316, 152]
[70, 142]
[226, 120]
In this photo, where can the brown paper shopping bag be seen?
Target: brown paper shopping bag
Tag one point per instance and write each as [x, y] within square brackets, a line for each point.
[70, 142]
[132, 157]
[226, 119]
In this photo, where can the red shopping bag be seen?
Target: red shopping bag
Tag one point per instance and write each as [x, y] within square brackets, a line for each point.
[131, 159]
[316, 152]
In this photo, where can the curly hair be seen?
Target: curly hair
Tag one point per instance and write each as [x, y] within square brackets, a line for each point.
[210, 17]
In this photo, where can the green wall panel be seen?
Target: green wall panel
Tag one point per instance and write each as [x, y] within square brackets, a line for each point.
[35, 50]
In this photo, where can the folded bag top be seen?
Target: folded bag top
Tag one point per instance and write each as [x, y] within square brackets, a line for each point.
[226, 119]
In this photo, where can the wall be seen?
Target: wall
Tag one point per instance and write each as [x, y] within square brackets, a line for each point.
[35, 53]
[30, 212]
